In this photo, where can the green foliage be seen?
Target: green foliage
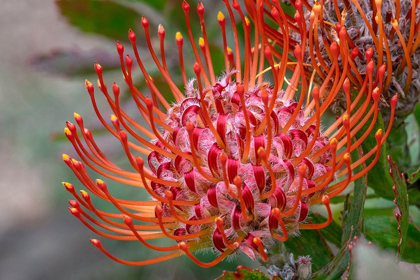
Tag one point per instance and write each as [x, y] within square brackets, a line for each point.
[106, 18]
[397, 146]
[157, 4]
[332, 233]
[382, 231]
[352, 226]
[378, 177]
[417, 113]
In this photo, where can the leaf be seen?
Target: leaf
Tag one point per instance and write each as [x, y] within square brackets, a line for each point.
[100, 17]
[352, 226]
[157, 4]
[353, 218]
[310, 242]
[412, 127]
[382, 231]
[417, 113]
[244, 273]
[414, 176]
[378, 177]
[332, 233]
[401, 199]
[397, 146]
[75, 61]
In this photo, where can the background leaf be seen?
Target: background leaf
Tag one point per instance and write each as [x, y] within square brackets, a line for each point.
[157, 4]
[352, 225]
[397, 146]
[378, 177]
[106, 18]
[382, 231]
[332, 233]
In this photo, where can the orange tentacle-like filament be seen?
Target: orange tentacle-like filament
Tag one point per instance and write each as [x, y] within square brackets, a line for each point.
[220, 226]
[291, 211]
[277, 215]
[326, 202]
[184, 247]
[98, 245]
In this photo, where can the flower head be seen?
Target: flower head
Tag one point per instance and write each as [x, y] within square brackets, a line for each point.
[385, 30]
[235, 163]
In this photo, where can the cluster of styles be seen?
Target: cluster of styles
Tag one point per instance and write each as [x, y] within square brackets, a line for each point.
[235, 163]
[386, 27]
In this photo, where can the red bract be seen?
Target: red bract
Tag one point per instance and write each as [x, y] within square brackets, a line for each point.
[236, 162]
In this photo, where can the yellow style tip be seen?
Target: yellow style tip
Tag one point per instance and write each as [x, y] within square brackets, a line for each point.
[220, 16]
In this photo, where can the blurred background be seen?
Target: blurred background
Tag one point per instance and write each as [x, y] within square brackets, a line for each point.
[48, 49]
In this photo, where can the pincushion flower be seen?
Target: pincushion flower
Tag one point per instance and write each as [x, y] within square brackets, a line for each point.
[235, 163]
[385, 28]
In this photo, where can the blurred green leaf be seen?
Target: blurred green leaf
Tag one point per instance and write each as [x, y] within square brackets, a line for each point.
[414, 176]
[377, 211]
[244, 273]
[157, 4]
[332, 233]
[417, 113]
[382, 230]
[378, 177]
[401, 201]
[310, 242]
[100, 17]
[352, 225]
[413, 131]
[412, 128]
[342, 198]
[397, 146]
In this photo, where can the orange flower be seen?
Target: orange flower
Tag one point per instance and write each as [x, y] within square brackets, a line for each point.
[235, 162]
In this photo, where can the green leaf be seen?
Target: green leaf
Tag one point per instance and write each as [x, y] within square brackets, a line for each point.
[244, 273]
[353, 217]
[310, 242]
[378, 177]
[100, 17]
[414, 176]
[401, 200]
[397, 146]
[412, 127]
[157, 4]
[417, 113]
[332, 233]
[382, 231]
[352, 225]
